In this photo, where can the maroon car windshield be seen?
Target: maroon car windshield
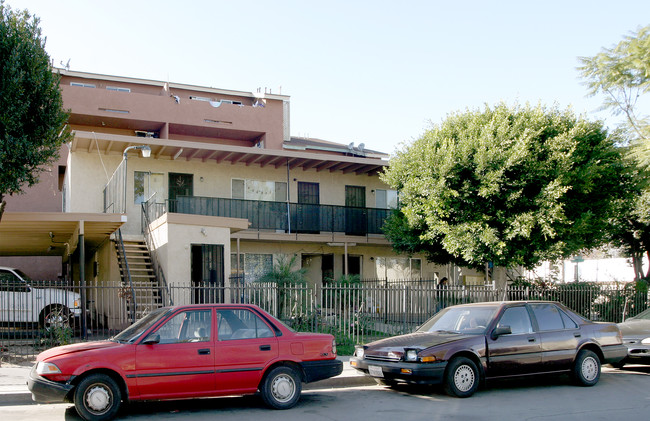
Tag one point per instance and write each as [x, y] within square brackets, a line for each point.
[465, 320]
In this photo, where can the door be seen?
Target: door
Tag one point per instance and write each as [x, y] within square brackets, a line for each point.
[559, 335]
[308, 208]
[354, 265]
[355, 210]
[180, 185]
[313, 264]
[207, 271]
[246, 344]
[517, 353]
[181, 364]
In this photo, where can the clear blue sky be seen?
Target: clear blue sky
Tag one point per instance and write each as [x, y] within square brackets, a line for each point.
[376, 72]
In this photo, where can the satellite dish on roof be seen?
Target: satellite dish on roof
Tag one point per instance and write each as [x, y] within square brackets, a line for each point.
[351, 146]
[362, 146]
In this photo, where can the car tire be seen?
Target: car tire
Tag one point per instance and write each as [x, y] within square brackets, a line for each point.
[97, 398]
[461, 377]
[586, 369]
[55, 316]
[281, 388]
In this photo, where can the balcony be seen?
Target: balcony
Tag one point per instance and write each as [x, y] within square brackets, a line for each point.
[280, 216]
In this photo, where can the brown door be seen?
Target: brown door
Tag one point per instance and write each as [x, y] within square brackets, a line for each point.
[308, 208]
[355, 210]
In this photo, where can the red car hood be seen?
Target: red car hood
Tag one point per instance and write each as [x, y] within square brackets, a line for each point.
[69, 349]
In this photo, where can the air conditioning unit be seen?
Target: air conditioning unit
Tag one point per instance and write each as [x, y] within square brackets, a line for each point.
[143, 133]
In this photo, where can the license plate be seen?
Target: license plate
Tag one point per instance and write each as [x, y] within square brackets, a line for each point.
[375, 371]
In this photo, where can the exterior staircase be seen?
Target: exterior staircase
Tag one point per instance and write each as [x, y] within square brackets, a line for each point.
[143, 279]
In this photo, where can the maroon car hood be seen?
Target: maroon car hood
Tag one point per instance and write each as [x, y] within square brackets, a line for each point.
[69, 349]
[412, 340]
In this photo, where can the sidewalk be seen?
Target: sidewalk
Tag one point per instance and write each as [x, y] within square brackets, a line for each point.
[13, 378]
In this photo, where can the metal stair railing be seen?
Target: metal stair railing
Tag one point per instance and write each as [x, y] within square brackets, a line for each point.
[151, 246]
[120, 243]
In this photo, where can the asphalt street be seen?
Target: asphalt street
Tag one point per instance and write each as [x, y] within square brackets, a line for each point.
[620, 394]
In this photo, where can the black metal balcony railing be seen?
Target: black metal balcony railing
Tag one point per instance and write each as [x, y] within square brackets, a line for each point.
[263, 215]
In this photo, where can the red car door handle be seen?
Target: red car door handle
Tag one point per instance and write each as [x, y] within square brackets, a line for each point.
[205, 351]
[265, 347]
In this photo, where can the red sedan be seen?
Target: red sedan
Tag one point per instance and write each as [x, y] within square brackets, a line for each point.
[186, 352]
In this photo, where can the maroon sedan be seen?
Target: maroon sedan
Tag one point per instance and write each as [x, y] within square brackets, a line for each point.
[463, 345]
[186, 352]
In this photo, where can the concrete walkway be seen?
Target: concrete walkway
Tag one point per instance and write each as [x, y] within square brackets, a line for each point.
[13, 386]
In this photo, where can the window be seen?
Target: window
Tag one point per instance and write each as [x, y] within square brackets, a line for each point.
[518, 320]
[10, 282]
[273, 191]
[118, 89]
[568, 323]
[241, 324]
[186, 326]
[548, 316]
[386, 199]
[147, 185]
[257, 265]
[83, 85]
[199, 98]
[398, 268]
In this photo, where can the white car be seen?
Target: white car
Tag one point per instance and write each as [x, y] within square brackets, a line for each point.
[21, 303]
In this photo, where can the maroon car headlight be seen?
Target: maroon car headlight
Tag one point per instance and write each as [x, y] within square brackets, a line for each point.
[411, 355]
[359, 351]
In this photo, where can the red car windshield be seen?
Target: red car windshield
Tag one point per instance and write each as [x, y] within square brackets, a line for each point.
[133, 332]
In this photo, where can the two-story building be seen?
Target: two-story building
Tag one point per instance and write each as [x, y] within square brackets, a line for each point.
[215, 184]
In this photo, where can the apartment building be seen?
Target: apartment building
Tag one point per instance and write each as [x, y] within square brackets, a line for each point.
[214, 182]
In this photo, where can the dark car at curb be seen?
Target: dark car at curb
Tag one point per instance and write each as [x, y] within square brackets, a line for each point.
[464, 345]
[636, 337]
[185, 352]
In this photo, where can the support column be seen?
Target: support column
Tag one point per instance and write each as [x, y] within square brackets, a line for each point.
[82, 278]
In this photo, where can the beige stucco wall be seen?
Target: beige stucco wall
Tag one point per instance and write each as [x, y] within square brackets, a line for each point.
[174, 234]
[89, 173]
[368, 253]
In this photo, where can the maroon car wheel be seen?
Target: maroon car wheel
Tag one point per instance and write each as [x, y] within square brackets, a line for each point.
[97, 398]
[586, 370]
[461, 377]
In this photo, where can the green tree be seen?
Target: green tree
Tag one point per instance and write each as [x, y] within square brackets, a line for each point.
[32, 120]
[630, 228]
[507, 185]
[622, 75]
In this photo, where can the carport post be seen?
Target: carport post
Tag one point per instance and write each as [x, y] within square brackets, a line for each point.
[82, 278]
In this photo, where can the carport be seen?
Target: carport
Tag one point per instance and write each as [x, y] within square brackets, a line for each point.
[57, 234]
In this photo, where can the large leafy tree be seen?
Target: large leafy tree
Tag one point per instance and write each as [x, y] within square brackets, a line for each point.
[621, 74]
[32, 119]
[508, 185]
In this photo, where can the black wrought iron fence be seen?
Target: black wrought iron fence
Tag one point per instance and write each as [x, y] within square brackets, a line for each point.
[36, 318]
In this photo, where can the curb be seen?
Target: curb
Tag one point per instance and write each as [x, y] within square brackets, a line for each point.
[17, 398]
[348, 379]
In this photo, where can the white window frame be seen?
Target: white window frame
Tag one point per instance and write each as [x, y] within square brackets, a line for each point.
[83, 85]
[118, 89]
